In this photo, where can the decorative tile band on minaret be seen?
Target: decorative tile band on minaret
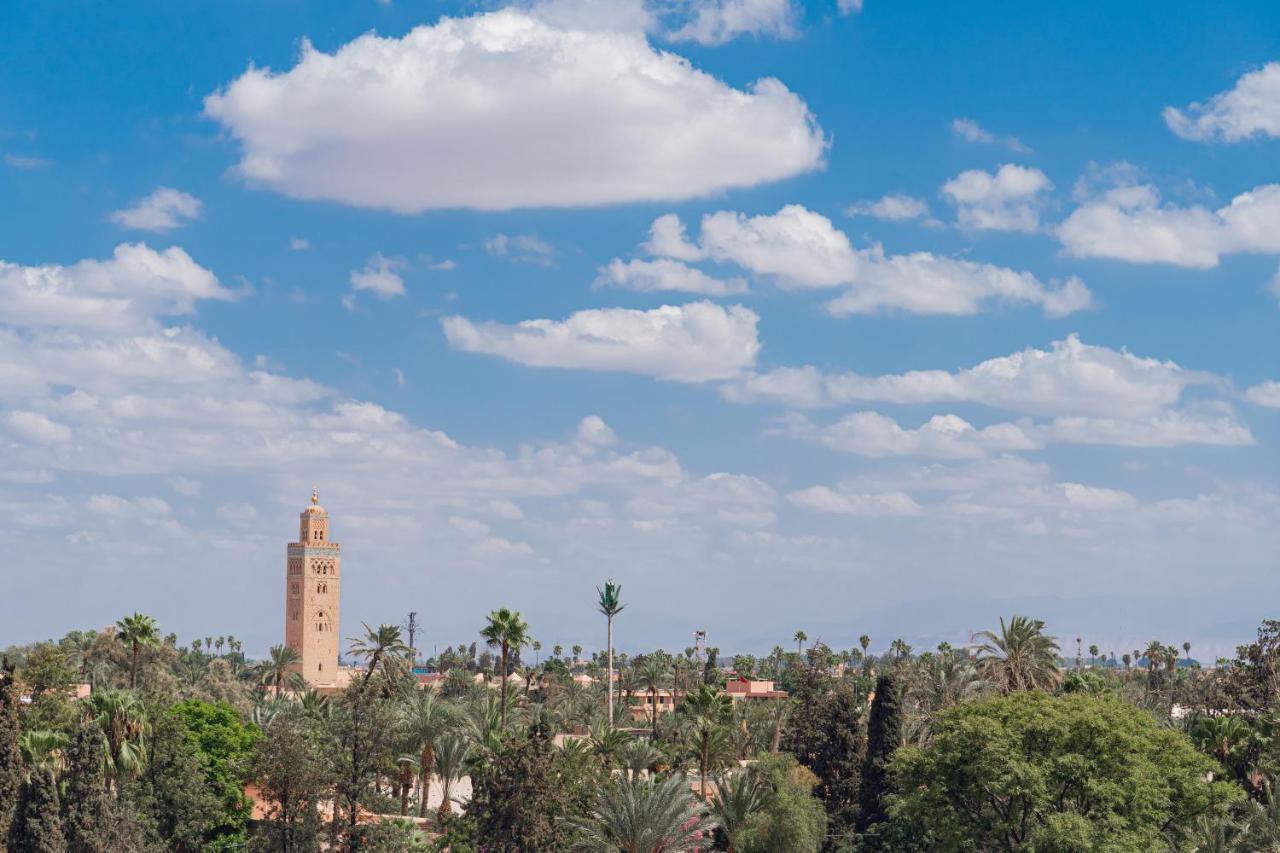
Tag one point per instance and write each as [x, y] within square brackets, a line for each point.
[312, 582]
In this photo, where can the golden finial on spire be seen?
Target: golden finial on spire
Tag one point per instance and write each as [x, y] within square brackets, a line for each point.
[315, 496]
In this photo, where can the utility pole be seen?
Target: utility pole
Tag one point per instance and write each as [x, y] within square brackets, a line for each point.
[413, 633]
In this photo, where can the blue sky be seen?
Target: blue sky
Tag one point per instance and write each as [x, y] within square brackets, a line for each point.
[890, 319]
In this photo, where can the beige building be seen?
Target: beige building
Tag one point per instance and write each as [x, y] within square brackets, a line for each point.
[312, 596]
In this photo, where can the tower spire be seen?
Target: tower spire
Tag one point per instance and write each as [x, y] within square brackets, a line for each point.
[315, 496]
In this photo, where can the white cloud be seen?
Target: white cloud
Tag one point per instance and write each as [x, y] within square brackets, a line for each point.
[1264, 394]
[594, 431]
[299, 244]
[379, 276]
[943, 436]
[894, 207]
[970, 131]
[1009, 200]
[799, 248]
[1128, 223]
[719, 21]
[521, 248]
[34, 426]
[19, 161]
[697, 342]
[1206, 424]
[925, 283]
[507, 110]
[795, 245]
[1251, 108]
[667, 239]
[1070, 378]
[124, 291]
[1096, 497]
[163, 210]
[952, 437]
[824, 499]
[849, 7]
[664, 274]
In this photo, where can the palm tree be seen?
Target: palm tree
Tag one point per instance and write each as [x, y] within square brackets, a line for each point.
[651, 675]
[377, 648]
[557, 650]
[537, 652]
[738, 797]
[1220, 735]
[608, 744]
[643, 816]
[800, 639]
[427, 719]
[1020, 656]
[638, 756]
[451, 761]
[1127, 659]
[123, 721]
[577, 653]
[43, 751]
[275, 670]
[1260, 828]
[1186, 648]
[1093, 654]
[610, 604]
[709, 710]
[137, 631]
[506, 631]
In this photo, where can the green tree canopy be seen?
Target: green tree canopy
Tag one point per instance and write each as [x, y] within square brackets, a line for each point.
[1033, 772]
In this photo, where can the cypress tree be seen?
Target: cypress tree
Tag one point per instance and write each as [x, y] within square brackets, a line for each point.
[37, 824]
[884, 734]
[85, 806]
[10, 756]
[825, 735]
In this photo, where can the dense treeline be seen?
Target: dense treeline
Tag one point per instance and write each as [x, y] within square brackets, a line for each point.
[1000, 746]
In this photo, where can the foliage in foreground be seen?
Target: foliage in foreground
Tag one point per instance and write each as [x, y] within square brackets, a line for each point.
[1041, 773]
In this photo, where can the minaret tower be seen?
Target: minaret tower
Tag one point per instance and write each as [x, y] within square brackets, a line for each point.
[311, 597]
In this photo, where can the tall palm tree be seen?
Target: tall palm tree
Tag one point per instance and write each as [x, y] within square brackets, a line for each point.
[1020, 657]
[610, 604]
[643, 816]
[505, 631]
[452, 753]
[738, 797]
[377, 648]
[123, 721]
[136, 632]
[427, 719]
[800, 639]
[709, 710]
[652, 675]
[274, 671]
[537, 652]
